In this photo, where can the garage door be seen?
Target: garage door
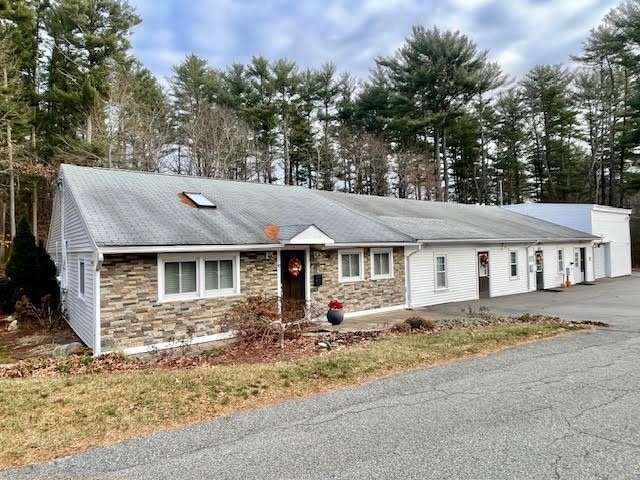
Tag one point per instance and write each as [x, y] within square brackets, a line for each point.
[599, 261]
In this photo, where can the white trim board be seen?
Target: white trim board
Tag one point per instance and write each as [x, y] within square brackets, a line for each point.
[373, 311]
[166, 345]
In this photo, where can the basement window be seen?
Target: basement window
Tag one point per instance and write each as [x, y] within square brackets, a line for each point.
[200, 200]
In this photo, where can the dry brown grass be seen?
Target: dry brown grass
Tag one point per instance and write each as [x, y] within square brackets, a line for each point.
[44, 418]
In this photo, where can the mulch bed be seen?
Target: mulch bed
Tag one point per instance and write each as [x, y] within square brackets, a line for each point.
[239, 352]
[31, 340]
[236, 353]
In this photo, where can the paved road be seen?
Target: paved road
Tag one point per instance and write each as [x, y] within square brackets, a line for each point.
[565, 408]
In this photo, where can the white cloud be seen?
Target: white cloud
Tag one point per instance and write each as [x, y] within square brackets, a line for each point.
[519, 33]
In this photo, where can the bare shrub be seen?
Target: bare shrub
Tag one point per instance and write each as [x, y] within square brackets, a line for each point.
[265, 318]
[47, 316]
[420, 323]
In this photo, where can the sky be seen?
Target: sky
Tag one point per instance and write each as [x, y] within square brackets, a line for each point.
[519, 34]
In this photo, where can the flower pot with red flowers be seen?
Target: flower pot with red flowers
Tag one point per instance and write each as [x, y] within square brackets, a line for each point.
[335, 315]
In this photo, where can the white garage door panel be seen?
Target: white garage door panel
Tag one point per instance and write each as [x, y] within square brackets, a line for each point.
[461, 276]
[600, 261]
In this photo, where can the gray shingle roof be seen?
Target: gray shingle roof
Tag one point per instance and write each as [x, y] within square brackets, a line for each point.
[125, 208]
[425, 220]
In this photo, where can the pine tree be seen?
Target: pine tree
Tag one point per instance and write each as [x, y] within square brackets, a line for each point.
[30, 270]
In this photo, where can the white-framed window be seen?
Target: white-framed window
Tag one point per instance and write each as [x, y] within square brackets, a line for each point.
[381, 263]
[218, 275]
[441, 272]
[513, 264]
[183, 277]
[351, 265]
[561, 261]
[81, 277]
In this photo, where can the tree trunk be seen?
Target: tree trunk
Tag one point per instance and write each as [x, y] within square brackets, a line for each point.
[34, 211]
[89, 137]
[3, 249]
[445, 165]
[436, 159]
[12, 193]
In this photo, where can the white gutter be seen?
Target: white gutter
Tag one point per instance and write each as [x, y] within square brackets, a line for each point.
[235, 248]
[186, 248]
[510, 240]
[407, 277]
[370, 244]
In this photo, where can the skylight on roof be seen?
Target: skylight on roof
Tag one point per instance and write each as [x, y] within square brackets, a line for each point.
[200, 200]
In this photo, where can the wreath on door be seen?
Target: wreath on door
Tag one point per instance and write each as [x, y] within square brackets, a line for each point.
[295, 266]
[484, 259]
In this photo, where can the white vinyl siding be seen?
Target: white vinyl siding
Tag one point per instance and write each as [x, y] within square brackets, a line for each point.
[78, 297]
[351, 265]
[189, 276]
[381, 263]
[461, 276]
[616, 240]
[80, 308]
[502, 283]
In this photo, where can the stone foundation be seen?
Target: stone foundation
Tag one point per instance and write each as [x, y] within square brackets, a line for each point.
[130, 315]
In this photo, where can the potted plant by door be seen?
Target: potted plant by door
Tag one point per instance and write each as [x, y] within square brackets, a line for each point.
[335, 315]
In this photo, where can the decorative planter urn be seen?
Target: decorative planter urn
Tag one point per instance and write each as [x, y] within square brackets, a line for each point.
[335, 317]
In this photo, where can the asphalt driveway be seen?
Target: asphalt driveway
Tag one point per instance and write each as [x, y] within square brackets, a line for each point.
[564, 408]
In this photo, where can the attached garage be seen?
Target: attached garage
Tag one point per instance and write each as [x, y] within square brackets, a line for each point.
[611, 256]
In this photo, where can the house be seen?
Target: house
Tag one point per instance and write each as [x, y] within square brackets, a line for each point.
[612, 254]
[147, 259]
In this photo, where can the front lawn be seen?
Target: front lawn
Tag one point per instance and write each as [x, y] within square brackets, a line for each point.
[46, 417]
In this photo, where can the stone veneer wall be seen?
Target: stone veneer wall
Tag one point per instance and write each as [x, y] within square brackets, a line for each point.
[130, 315]
[361, 295]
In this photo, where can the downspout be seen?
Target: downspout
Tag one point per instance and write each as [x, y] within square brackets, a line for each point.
[537, 242]
[407, 277]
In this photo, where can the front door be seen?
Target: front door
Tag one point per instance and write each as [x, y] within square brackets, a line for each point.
[292, 277]
[483, 274]
[539, 270]
[578, 265]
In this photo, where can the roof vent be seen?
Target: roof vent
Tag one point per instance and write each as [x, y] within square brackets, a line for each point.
[200, 200]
